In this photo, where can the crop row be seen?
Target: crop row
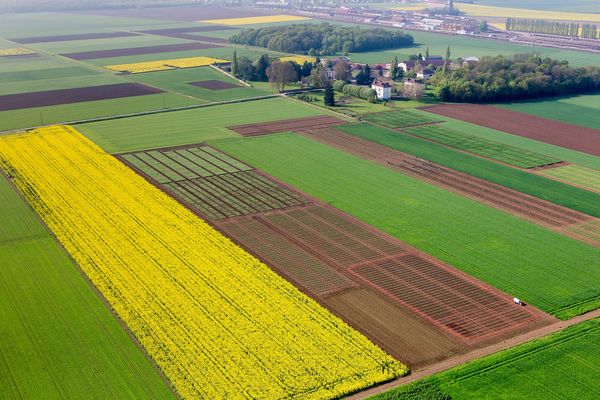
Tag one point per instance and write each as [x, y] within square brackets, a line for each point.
[402, 118]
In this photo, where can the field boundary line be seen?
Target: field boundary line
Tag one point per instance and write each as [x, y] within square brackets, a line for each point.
[473, 355]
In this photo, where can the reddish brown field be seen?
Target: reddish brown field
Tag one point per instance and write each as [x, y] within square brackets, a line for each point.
[77, 95]
[557, 133]
[287, 125]
[421, 311]
[196, 13]
[65, 38]
[214, 85]
[134, 51]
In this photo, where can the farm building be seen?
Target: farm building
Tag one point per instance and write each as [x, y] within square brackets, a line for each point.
[383, 89]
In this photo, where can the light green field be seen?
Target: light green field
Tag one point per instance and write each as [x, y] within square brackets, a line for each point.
[466, 46]
[560, 366]
[189, 126]
[178, 81]
[59, 340]
[26, 86]
[25, 118]
[587, 6]
[582, 110]
[44, 74]
[544, 268]
[576, 174]
[73, 46]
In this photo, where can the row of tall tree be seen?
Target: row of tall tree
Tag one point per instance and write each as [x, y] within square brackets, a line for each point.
[545, 26]
[322, 39]
[519, 77]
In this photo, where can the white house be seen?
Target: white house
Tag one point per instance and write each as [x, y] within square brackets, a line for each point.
[383, 89]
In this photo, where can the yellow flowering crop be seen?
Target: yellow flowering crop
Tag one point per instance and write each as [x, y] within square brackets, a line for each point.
[162, 65]
[218, 322]
[256, 20]
[17, 51]
[298, 59]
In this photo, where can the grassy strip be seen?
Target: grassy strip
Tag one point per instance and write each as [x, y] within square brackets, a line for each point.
[559, 366]
[576, 174]
[525, 182]
[58, 338]
[545, 268]
[483, 147]
[402, 118]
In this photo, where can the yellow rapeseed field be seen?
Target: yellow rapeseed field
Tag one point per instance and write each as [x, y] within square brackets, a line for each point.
[17, 51]
[505, 12]
[256, 20]
[163, 65]
[218, 322]
[298, 59]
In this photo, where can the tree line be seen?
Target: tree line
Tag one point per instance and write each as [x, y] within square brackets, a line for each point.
[322, 39]
[544, 26]
[522, 76]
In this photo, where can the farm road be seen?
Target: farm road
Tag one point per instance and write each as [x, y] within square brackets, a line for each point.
[475, 354]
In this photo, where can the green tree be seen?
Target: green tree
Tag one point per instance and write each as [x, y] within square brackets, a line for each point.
[427, 53]
[394, 68]
[261, 66]
[234, 64]
[329, 98]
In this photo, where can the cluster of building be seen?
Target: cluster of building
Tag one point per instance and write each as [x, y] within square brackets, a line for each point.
[423, 68]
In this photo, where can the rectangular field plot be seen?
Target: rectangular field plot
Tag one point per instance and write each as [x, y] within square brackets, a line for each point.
[483, 147]
[287, 125]
[296, 264]
[403, 118]
[563, 365]
[440, 294]
[211, 182]
[581, 176]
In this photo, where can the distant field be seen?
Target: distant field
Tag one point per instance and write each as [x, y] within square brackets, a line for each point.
[505, 12]
[256, 20]
[582, 176]
[522, 181]
[29, 117]
[462, 46]
[580, 6]
[582, 110]
[190, 126]
[105, 44]
[79, 350]
[498, 248]
[563, 365]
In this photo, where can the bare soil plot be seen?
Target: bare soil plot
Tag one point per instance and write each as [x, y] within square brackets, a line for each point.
[184, 13]
[214, 85]
[528, 207]
[66, 38]
[76, 95]
[287, 125]
[134, 51]
[573, 137]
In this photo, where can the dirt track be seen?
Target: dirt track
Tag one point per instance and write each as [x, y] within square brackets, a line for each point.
[134, 51]
[554, 132]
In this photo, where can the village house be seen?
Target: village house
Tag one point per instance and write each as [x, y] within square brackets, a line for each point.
[383, 89]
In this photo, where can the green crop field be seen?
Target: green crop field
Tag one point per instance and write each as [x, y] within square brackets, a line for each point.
[402, 118]
[560, 366]
[544, 268]
[461, 46]
[582, 176]
[535, 146]
[75, 46]
[522, 181]
[28, 117]
[189, 126]
[178, 81]
[59, 340]
[583, 6]
[483, 147]
[583, 110]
